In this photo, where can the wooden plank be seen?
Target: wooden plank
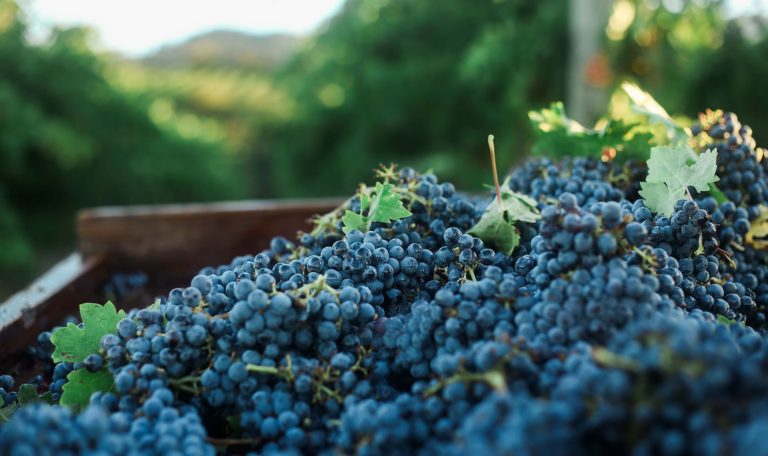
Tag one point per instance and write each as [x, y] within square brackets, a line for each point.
[48, 301]
[176, 240]
[169, 243]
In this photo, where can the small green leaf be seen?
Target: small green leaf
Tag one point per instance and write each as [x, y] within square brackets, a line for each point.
[27, 394]
[7, 411]
[497, 226]
[383, 205]
[81, 384]
[47, 398]
[353, 221]
[386, 205]
[73, 343]
[155, 305]
[725, 320]
[496, 231]
[717, 194]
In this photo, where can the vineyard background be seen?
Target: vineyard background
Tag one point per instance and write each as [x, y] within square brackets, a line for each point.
[228, 115]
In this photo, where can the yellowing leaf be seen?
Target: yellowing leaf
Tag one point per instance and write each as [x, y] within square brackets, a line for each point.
[757, 236]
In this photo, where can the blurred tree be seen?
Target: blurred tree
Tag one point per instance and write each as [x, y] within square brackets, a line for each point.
[420, 83]
[70, 139]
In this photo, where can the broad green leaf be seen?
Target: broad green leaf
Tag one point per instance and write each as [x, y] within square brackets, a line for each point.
[81, 384]
[73, 343]
[660, 198]
[642, 103]
[671, 170]
[27, 394]
[560, 136]
[680, 167]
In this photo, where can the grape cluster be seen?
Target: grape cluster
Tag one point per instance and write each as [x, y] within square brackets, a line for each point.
[740, 166]
[609, 330]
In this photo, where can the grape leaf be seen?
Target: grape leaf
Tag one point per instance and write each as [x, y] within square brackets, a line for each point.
[497, 227]
[757, 236]
[382, 205]
[560, 136]
[671, 170]
[81, 384]
[27, 394]
[74, 343]
[642, 103]
[7, 410]
[660, 198]
[725, 320]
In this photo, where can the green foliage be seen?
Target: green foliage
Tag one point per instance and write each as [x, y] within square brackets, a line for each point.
[671, 170]
[74, 343]
[69, 138]
[496, 226]
[559, 136]
[412, 83]
[81, 384]
[380, 204]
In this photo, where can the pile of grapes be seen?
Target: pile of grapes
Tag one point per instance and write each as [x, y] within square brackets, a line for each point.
[559, 316]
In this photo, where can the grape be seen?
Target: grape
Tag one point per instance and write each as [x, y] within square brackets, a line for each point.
[610, 329]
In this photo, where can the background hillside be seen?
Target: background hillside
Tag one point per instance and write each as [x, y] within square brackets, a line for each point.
[227, 48]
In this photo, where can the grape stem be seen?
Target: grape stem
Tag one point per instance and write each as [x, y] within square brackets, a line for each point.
[495, 173]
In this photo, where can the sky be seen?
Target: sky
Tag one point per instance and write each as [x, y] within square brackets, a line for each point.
[137, 27]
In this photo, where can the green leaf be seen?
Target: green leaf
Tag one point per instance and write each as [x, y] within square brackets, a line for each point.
[7, 411]
[671, 170]
[81, 384]
[725, 320]
[660, 198]
[497, 232]
[27, 394]
[717, 194]
[496, 226]
[155, 305]
[386, 205]
[353, 221]
[560, 136]
[680, 167]
[382, 205]
[642, 103]
[73, 343]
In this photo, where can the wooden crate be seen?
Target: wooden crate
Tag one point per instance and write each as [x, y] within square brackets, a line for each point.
[168, 243]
